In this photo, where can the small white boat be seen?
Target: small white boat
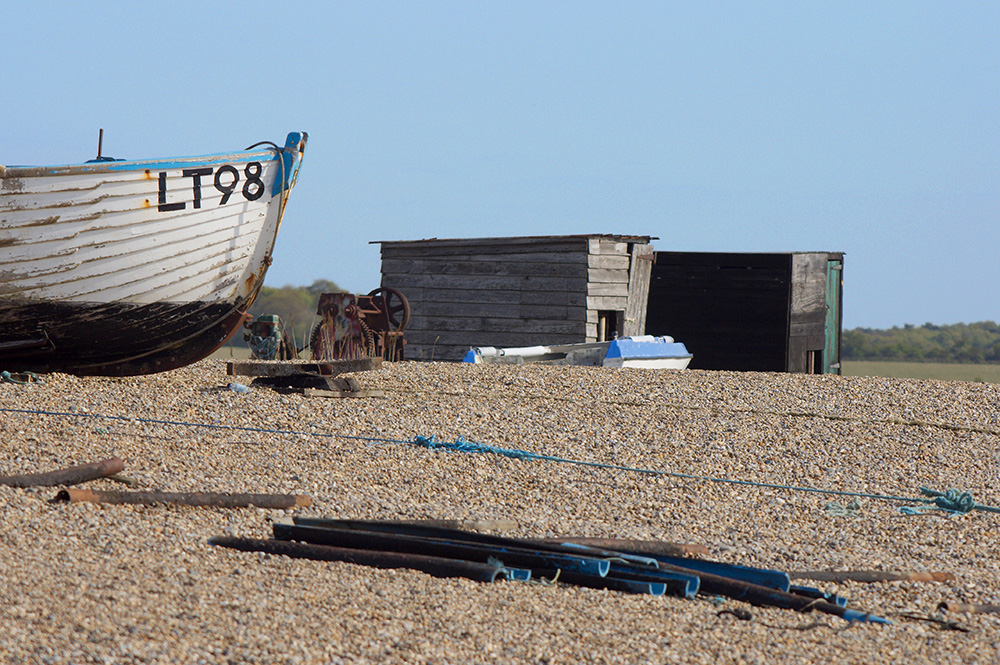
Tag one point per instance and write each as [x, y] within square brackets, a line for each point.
[117, 267]
[639, 351]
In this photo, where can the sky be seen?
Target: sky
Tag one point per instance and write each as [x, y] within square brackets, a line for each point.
[869, 128]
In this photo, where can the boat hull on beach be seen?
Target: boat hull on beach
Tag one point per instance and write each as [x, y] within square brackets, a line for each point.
[120, 268]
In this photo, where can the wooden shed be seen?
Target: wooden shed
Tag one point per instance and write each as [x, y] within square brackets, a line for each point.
[518, 291]
[778, 312]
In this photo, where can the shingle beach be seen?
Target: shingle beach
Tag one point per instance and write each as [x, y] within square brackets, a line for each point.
[89, 583]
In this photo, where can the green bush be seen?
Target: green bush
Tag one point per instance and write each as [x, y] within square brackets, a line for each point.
[959, 343]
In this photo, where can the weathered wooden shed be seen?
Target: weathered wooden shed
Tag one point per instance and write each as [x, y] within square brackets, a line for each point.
[518, 291]
[777, 312]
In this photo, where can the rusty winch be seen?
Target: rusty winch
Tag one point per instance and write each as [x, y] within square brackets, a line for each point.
[268, 340]
[356, 326]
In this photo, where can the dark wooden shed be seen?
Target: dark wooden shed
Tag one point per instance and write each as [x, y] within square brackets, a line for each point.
[518, 291]
[778, 312]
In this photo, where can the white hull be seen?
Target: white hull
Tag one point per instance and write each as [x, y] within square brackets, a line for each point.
[117, 231]
[164, 233]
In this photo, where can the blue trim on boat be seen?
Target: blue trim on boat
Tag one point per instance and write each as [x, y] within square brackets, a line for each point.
[108, 165]
[657, 347]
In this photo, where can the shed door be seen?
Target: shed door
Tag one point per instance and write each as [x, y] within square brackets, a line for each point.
[834, 289]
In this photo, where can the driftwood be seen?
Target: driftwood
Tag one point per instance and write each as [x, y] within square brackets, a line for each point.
[199, 499]
[70, 476]
[869, 576]
[971, 608]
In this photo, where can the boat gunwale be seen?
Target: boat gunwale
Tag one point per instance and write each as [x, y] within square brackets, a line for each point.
[139, 164]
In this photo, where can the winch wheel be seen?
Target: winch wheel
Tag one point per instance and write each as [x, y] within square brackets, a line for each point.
[397, 307]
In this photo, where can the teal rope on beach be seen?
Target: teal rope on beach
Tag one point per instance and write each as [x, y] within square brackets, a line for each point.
[952, 501]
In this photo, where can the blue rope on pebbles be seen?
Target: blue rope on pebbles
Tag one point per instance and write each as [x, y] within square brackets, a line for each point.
[953, 501]
[463, 446]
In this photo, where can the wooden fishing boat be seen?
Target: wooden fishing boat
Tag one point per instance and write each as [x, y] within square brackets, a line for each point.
[116, 267]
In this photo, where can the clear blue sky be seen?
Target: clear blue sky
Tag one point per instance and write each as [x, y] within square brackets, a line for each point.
[871, 128]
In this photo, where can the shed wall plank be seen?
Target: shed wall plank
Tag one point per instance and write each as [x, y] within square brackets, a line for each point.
[608, 262]
[499, 267]
[491, 325]
[638, 290]
[808, 287]
[479, 283]
[503, 310]
[607, 302]
[606, 246]
[599, 276]
[390, 250]
[500, 339]
[472, 296]
[619, 290]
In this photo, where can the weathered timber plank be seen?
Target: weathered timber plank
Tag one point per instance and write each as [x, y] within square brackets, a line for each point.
[515, 311]
[607, 302]
[573, 298]
[451, 309]
[808, 285]
[499, 267]
[619, 290]
[468, 339]
[518, 257]
[817, 329]
[512, 242]
[486, 283]
[482, 324]
[638, 290]
[569, 313]
[419, 295]
[599, 276]
[606, 246]
[608, 261]
[481, 248]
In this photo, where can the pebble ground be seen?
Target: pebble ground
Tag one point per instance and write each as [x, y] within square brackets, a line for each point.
[86, 583]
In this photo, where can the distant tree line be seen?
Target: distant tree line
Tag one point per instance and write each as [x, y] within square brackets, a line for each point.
[957, 343]
[296, 305]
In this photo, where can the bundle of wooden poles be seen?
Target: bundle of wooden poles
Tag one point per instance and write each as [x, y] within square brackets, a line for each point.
[629, 566]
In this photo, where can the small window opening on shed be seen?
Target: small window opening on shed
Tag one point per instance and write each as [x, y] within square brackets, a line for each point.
[609, 324]
[814, 362]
